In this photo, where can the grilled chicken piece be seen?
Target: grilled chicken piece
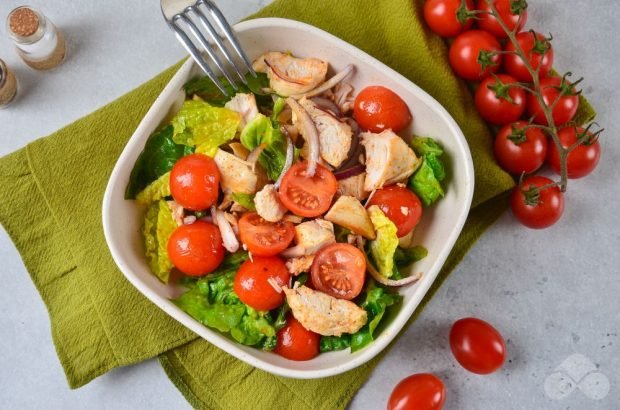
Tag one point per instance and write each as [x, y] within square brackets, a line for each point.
[297, 266]
[289, 75]
[244, 104]
[324, 314]
[389, 159]
[237, 174]
[343, 97]
[313, 235]
[353, 186]
[268, 205]
[334, 136]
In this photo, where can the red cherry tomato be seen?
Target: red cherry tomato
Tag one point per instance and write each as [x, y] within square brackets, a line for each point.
[339, 270]
[465, 54]
[500, 103]
[477, 345]
[252, 282]
[542, 213]
[305, 196]
[580, 161]
[402, 206]
[520, 152]
[421, 391]
[441, 16]
[491, 25]
[196, 249]
[564, 110]
[195, 181]
[378, 108]
[264, 238]
[538, 52]
[296, 343]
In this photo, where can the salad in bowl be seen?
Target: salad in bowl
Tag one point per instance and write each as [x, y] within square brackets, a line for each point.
[288, 212]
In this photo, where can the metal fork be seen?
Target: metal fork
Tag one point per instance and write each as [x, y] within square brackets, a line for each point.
[183, 15]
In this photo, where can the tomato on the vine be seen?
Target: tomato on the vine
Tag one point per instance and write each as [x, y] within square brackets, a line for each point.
[472, 48]
[195, 181]
[442, 16]
[499, 102]
[339, 270]
[378, 108]
[307, 196]
[422, 391]
[477, 345]
[402, 206]
[580, 161]
[510, 12]
[519, 150]
[552, 89]
[196, 249]
[295, 342]
[538, 51]
[252, 282]
[537, 211]
[264, 238]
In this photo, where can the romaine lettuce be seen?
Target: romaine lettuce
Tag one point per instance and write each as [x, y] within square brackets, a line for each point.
[245, 200]
[261, 130]
[426, 181]
[383, 247]
[156, 190]
[158, 226]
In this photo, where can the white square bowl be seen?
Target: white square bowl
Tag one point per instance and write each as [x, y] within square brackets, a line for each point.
[438, 230]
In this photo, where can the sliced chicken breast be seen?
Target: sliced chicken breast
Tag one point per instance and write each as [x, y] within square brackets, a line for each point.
[290, 75]
[237, 174]
[268, 205]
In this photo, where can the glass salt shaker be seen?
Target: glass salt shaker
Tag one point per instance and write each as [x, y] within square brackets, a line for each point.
[39, 43]
[8, 85]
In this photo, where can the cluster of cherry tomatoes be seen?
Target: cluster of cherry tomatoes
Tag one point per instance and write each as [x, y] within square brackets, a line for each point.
[506, 98]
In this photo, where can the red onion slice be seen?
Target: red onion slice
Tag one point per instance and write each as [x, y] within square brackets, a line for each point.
[309, 132]
[290, 152]
[231, 244]
[350, 172]
[327, 84]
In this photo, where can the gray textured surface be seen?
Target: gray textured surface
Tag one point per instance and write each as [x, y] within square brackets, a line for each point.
[552, 293]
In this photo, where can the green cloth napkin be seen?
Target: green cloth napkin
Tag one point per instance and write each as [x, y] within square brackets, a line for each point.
[51, 193]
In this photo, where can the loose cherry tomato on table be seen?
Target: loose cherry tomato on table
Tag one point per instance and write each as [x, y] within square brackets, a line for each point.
[195, 181]
[580, 161]
[441, 16]
[538, 51]
[552, 89]
[421, 391]
[477, 345]
[295, 342]
[498, 102]
[519, 150]
[378, 108]
[505, 10]
[402, 206]
[252, 282]
[307, 196]
[264, 238]
[339, 270]
[541, 212]
[471, 48]
[196, 249]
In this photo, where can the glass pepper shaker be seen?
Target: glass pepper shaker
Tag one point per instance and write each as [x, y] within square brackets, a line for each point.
[39, 43]
[8, 85]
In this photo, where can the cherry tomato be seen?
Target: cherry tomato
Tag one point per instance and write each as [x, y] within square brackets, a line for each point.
[378, 108]
[339, 270]
[564, 110]
[542, 213]
[580, 161]
[466, 52]
[195, 181]
[500, 103]
[519, 151]
[196, 249]
[252, 282]
[294, 342]
[307, 196]
[477, 345]
[491, 25]
[402, 206]
[538, 52]
[421, 391]
[264, 238]
[441, 16]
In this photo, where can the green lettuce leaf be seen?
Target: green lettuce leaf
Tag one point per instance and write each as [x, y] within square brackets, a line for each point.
[426, 181]
[158, 156]
[200, 125]
[245, 200]
[156, 190]
[426, 146]
[278, 107]
[404, 257]
[383, 247]
[208, 91]
[333, 343]
[158, 226]
[261, 130]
